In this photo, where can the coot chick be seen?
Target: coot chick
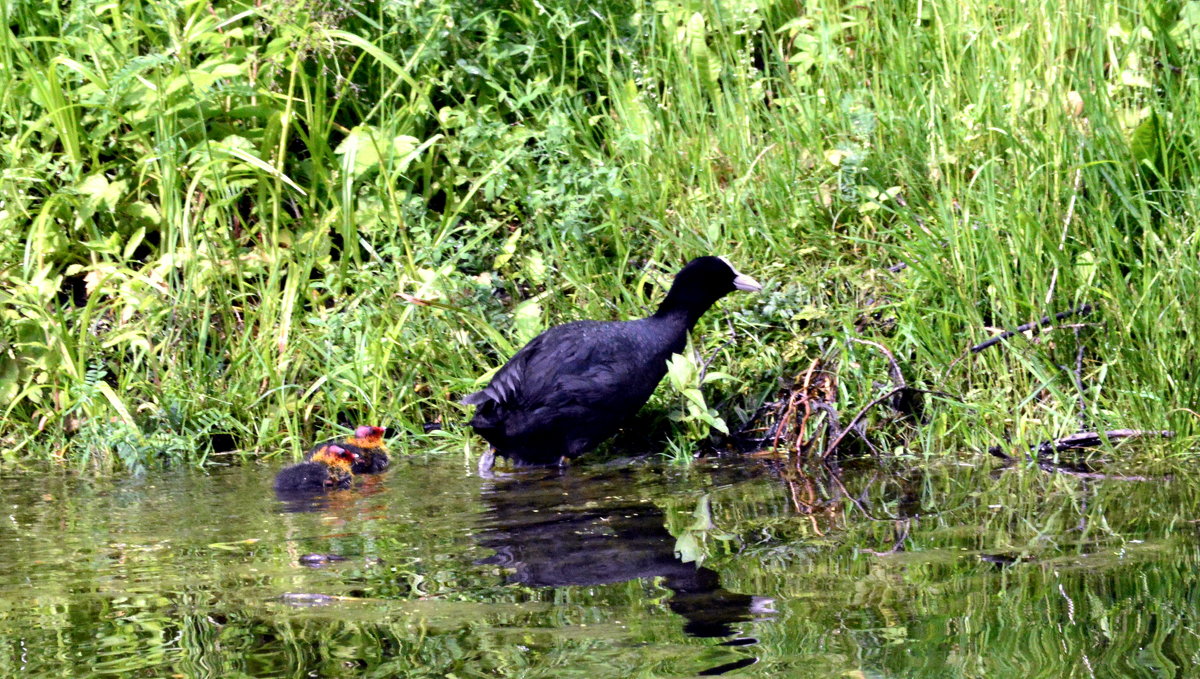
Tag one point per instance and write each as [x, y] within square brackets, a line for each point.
[366, 443]
[328, 468]
[572, 386]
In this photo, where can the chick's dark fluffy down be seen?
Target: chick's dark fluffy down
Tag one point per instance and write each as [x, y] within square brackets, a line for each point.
[311, 476]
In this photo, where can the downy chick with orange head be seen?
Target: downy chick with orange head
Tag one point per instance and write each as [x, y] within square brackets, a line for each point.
[329, 466]
[366, 443]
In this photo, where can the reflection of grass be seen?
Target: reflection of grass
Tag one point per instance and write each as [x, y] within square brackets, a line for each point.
[1101, 575]
[241, 227]
[157, 576]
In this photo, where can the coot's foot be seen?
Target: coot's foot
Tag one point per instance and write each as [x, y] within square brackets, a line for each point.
[486, 462]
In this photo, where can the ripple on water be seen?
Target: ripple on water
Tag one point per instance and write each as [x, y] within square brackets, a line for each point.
[600, 571]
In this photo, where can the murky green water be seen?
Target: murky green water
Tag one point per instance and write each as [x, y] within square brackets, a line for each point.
[1013, 573]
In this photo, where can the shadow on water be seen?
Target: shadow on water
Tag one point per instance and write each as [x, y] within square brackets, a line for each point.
[555, 529]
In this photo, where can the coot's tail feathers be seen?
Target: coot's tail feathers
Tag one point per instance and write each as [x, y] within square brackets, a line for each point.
[478, 398]
[508, 383]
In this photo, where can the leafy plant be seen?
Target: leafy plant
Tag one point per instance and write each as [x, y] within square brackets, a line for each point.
[687, 377]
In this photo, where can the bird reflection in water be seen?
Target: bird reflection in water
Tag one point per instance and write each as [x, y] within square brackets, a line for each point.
[341, 500]
[553, 528]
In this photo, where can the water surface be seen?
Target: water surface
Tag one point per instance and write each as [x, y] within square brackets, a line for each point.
[949, 570]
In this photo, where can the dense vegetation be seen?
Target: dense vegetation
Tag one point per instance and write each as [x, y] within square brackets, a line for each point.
[232, 226]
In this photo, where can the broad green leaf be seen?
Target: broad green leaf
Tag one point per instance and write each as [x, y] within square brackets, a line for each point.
[133, 242]
[403, 144]
[1186, 31]
[1145, 143]
[359, 151]
[714, 420]
[534, 267]
[102, 192]
[681, 371]
[507, 250]
[527, 320]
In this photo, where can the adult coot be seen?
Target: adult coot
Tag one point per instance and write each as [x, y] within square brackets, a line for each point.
[574, 384]
[366, 444]
[329, 467]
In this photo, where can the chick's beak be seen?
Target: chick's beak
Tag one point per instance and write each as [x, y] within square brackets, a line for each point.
[744, 282]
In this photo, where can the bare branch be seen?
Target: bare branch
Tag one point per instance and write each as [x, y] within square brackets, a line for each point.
[1081, 310]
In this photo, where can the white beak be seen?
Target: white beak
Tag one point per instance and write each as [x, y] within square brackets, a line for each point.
[744, 282]
[741, 281]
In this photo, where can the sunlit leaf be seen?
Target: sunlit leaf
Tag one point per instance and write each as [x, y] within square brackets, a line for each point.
[102, 192]
[527, 320]
[359, 150]
[1146, 141]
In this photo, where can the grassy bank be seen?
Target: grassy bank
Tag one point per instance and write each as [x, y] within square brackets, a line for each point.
[226, 228]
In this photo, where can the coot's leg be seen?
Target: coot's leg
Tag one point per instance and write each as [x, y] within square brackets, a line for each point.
[487, 461]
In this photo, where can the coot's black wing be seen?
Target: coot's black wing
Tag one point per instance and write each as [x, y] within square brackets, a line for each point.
[583, 370]
[509, 380]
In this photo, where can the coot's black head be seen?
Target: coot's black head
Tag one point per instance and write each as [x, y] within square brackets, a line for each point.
[700, 283]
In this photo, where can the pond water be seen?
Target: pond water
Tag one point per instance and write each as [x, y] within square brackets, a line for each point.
[956, 569]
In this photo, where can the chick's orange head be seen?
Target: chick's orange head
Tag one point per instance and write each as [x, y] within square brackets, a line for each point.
[343, 454]
[335, 456]
[368, 437]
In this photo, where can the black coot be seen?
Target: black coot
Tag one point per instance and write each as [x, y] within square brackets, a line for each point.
[573, 385]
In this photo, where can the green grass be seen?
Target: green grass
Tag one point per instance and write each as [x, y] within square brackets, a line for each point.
[220, 223]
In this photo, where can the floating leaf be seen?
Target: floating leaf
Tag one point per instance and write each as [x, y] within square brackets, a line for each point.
[687, 548]
[231, 546]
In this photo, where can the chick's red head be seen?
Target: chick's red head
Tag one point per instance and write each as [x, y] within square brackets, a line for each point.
[343, 454]
[367, 433]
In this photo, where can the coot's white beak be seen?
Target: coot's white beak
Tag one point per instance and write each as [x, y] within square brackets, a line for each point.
[740, 280]
[744, 282]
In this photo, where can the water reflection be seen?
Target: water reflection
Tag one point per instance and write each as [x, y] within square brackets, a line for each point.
[928, 570]
[555, 529]
[300, 501]
[306, 501]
